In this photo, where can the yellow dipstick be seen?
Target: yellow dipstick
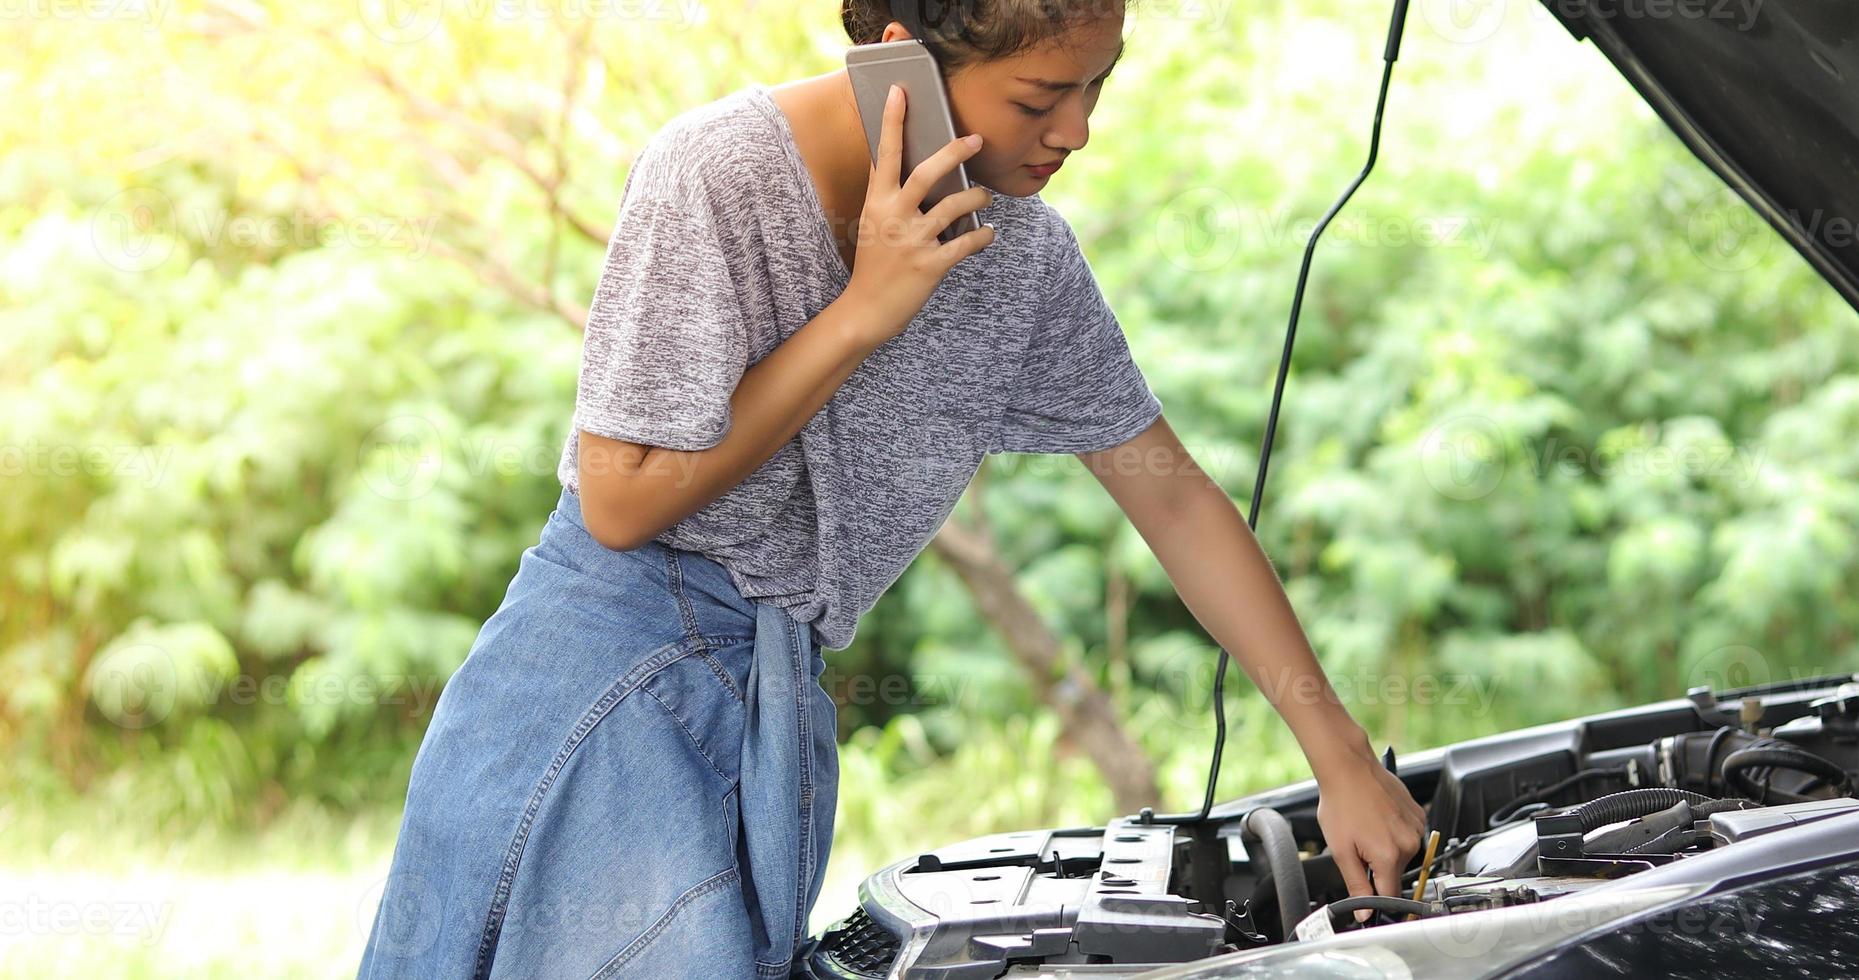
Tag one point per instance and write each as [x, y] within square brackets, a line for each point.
[1426, 865]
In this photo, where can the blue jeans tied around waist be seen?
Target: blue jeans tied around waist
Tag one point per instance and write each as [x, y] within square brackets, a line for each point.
[632, 775]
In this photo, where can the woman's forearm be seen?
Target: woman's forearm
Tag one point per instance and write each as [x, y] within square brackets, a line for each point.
[631, 492]
[1226, 581]
[1371, 823]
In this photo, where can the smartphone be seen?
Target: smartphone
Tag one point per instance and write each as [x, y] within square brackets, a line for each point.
[928, 124]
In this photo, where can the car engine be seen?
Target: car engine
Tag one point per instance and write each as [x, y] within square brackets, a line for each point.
[1522, 818]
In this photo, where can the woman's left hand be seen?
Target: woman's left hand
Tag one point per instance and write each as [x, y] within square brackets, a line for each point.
[1370, 821]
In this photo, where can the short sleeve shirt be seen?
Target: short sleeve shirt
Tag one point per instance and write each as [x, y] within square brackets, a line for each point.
[722, 250]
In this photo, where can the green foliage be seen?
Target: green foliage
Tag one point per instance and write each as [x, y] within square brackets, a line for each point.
[1547, 448]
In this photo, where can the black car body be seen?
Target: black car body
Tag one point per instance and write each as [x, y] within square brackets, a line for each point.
[1668, 885]
[1714, 835]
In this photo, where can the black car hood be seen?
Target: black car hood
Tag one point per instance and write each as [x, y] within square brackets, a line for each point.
[1765, 92]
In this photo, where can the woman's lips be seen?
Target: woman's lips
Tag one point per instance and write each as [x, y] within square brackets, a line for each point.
[1044, 169]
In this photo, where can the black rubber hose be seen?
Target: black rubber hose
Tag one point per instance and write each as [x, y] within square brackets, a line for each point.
[1628, 804]
[1341, 909]
[1502, 814]
[1646, 832]
[1736, 764]
[1711, 768]
[1278, 852]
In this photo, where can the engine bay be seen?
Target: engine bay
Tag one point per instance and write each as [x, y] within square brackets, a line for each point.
[1516, 819]
[1539, 815]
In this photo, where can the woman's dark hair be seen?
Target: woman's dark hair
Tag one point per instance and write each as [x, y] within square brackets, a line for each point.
[962, 32]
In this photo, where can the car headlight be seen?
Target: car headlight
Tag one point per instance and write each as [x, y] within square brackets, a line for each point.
[1465, 946]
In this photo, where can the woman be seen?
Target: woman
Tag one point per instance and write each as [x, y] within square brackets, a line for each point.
[787, 383]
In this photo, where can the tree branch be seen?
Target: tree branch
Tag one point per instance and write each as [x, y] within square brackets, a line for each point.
[1086, 714]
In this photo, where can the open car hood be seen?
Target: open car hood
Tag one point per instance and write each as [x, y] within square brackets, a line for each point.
[1143, 899]
[1765, 92]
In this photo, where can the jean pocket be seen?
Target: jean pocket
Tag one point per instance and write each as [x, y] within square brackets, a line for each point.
[732, 824]
[703, 703]
[730, 663]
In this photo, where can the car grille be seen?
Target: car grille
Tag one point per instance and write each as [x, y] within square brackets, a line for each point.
[860, 946]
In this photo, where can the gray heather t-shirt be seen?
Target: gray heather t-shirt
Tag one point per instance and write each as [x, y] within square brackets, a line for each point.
[722, 251]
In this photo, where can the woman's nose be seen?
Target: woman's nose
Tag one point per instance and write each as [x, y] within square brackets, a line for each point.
[1071, 131]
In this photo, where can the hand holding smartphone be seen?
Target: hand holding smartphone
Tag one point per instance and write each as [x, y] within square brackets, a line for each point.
[904, 252]
[928, 123]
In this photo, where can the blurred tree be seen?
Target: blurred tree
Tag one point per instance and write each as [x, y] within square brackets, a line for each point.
[284, 368]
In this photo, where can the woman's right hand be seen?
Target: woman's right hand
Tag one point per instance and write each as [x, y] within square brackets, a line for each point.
[899, 260]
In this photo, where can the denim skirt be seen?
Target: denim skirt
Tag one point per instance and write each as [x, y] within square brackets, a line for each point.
[632, 775]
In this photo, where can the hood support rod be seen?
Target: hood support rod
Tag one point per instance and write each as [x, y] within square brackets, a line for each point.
[1390, 52]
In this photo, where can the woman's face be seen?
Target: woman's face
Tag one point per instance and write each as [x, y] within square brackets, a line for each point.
[1032, 108]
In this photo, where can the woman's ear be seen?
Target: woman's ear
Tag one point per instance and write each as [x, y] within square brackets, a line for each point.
[895, 31]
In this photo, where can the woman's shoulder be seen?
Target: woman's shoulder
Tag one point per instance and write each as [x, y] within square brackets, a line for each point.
[710, 150]
[1041, 228]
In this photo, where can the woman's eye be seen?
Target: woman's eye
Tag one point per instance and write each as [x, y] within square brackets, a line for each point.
[1029, 110]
